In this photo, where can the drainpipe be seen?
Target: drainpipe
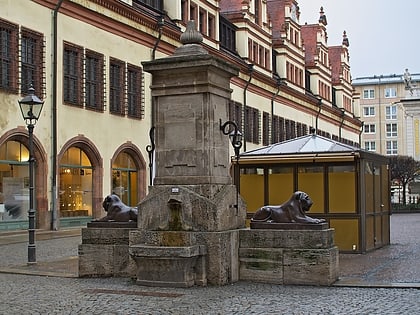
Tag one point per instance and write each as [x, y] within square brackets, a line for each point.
[54, 212]
[279, 82]
[150, 148]
[360, 133]
[250, 71]
[341, 123]
[160, 24]
[317, 115]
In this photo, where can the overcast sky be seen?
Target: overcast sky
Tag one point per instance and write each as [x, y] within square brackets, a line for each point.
[383, 34]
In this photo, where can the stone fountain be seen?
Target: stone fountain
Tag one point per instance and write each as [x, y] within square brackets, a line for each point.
[188, 225]
[190, 228]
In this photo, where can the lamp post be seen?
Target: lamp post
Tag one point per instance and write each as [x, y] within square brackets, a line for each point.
[31, 107]
[230, 128]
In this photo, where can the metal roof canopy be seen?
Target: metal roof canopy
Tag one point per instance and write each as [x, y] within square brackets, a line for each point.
[310, 147]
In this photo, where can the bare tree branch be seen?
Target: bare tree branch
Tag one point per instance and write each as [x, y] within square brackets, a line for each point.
[403, 170]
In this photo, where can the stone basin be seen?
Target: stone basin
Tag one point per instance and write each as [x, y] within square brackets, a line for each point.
[175, 266]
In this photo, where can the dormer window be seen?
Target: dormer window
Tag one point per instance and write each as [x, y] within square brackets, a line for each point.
[257, 10]
[227, 35]
[293, 12]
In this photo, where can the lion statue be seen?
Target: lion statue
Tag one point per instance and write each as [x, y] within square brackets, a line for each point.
[292, 211]
[117, 210]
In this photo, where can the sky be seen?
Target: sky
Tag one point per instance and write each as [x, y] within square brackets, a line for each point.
[383, 34]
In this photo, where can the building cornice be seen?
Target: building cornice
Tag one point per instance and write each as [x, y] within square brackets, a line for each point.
[137, 23]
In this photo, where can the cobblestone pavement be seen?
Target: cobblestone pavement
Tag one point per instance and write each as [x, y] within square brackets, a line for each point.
[48, 295]
[386, 281]
[395, 265]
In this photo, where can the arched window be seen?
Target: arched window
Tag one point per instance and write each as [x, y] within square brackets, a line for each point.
[75, 192]
[14, 181]
[124, 179]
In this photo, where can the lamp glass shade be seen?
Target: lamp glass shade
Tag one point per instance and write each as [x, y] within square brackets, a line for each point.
[235, 137]
[31, 106]
[239, 136]
[232, 137]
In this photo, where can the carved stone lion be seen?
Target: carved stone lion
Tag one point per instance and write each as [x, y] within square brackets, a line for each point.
[117, 210]
[292, 211]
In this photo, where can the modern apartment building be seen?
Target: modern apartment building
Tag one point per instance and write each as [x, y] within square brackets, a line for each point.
[390, 111]
[84, 60]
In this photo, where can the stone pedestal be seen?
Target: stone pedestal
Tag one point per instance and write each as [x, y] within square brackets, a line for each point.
[190, 96]
[301, 257]
[104, 250]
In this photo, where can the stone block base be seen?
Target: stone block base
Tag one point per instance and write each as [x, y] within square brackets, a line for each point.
[104, 252]
[182, 266]
[293, 257]
[220, 261]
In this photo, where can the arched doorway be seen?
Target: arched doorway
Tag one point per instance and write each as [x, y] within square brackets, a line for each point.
[80, 182]
[128, 174]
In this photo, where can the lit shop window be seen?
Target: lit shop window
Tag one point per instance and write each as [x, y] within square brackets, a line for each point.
[14, 181]
[75, 184]
[124, 179]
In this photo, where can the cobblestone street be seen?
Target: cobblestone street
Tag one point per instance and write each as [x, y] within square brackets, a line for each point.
[48, 295]
[386, 281]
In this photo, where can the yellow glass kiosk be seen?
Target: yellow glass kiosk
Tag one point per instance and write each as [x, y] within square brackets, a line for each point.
[348, 185]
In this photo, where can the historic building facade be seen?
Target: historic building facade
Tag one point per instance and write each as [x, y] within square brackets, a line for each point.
[390, 107]
[390, 112]
[84, 60]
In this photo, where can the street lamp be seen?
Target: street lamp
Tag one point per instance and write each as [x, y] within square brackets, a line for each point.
[235, 135]
[31, 107]
[230, 128]
[150, 148]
